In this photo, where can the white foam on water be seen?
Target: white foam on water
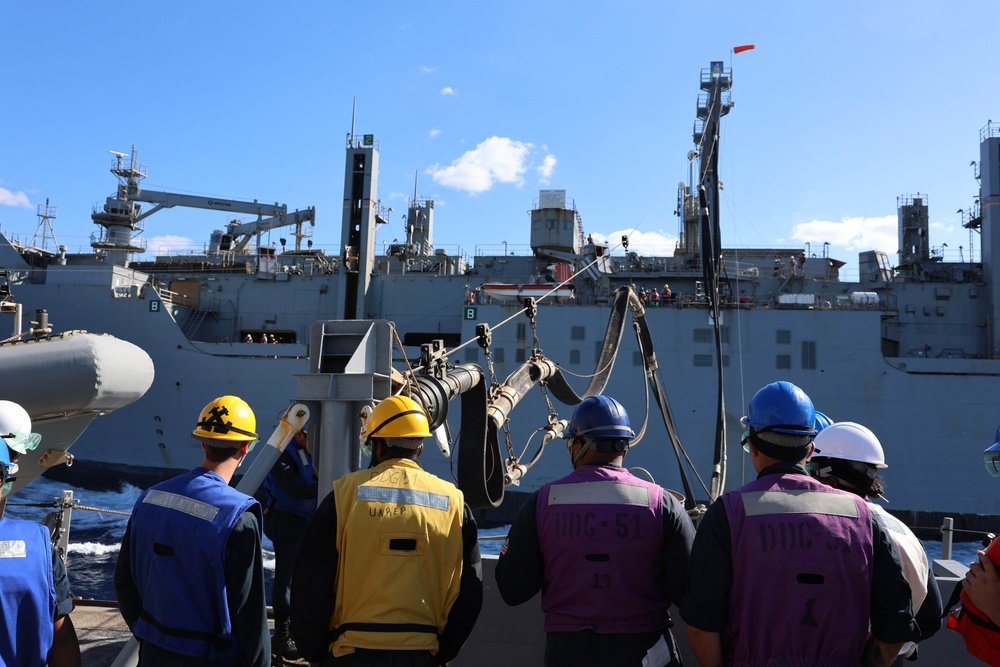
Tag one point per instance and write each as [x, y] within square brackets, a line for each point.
[92, 548]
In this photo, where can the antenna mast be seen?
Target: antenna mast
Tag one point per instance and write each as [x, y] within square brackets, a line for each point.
[46, 214]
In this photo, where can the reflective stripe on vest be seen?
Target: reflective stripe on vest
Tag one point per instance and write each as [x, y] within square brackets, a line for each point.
[599, 493]
[27, 606]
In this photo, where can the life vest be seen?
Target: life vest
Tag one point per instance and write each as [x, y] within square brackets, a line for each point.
[178, 543]
[600, 530]
[27, 593]
[399, 540]
[279, 499]
[804, 553]
[981, 635]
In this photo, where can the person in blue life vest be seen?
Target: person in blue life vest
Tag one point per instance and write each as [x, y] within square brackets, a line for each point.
[609, 551]
[35, 601]
[290, 491]
[786, 570]
[848, 456]
[189, 577]
[978, 618]
[389, 571]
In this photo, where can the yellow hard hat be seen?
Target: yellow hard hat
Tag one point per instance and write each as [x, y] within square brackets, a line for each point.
[227, 420]
[397, 417]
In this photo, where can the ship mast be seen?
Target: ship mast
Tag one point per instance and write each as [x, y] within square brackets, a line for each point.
[713, 104]
[46, 214]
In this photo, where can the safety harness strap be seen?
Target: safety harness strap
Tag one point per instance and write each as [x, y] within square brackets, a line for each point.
[382, 627]
[219, 643]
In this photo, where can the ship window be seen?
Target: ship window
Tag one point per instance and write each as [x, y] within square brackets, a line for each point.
[577, 333]
[809, 355]
[520, 355]
[522, 330]
[703, 360]
[637, 358]
[783, 337]
[498, 355]
[574, 357]
[783, 361]
[551, 222]
[725, 361]
[471, 355]
[708, 335]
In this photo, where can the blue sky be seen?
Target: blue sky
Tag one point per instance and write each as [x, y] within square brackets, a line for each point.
[841, 108]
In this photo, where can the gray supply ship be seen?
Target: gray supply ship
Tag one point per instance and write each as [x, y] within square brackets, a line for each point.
[909, 350]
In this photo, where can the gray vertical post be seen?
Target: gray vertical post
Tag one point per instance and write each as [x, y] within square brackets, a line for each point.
[947, 532]
[350, 366]
[65, 516]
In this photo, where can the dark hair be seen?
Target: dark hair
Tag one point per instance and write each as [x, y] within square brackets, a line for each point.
[860, 478]
[217, 454]
[392, 452]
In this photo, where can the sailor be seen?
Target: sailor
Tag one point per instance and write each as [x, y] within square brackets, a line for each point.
[190, 577]
[248, 339]
[786, 570]
[290, 490]
[609, 551]
[978, 619]
[263, 338]
[35, 602]
[654, 299]
[389, 571]
[848, 456]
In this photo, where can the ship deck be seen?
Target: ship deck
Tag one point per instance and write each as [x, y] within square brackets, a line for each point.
[503, 635]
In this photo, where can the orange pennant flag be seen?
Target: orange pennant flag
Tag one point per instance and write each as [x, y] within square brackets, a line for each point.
[745, 47]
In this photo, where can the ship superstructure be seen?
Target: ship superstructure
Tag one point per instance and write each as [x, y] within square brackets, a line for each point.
[909, 350]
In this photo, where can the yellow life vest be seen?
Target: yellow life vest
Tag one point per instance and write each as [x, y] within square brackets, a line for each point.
[399, 537]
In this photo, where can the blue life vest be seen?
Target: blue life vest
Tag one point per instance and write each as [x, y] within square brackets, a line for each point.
[178, 546]
[279, 499]
[27, 593]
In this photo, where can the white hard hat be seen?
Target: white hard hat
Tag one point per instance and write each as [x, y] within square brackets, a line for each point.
[15, 428]
[850, 442]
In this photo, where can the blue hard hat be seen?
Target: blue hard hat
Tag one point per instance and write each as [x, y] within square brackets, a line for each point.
[600, 418]
[781, 407]
[991, 456]
[822, 421]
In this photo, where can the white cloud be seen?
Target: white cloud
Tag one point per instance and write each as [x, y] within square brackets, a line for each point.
[851, 233]
[168, 243]
[448, 90]
[8, 198]
[546, 168]
[644, 244]
[496, 160]
[942, 227]
[434, 133]
[427, 70]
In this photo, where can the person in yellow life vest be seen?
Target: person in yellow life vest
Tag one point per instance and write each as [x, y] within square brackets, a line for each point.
[978, 620]
[389, 570]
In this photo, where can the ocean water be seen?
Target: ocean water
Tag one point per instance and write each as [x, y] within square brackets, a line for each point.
[95, 535]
